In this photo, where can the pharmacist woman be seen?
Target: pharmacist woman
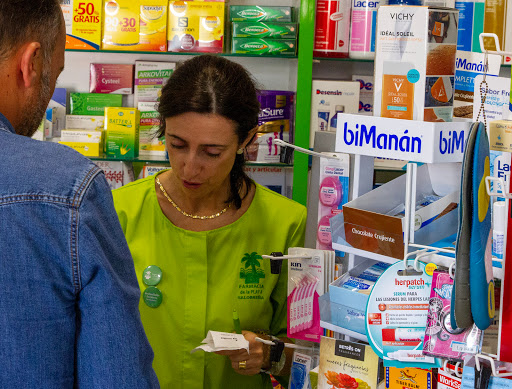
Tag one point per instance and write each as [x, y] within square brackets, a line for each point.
[196, 232]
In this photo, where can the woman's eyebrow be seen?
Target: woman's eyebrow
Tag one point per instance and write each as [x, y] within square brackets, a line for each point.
[203, 145]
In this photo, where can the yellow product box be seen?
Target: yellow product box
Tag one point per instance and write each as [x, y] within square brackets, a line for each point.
[500, 135]
[121, 27]
[122, 132]
[83, 20]
[196, 26]
[89, 149]
[87, 136]
[135, 25]
[408, 378]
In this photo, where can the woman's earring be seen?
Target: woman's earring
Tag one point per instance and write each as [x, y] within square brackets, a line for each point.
[240, 151]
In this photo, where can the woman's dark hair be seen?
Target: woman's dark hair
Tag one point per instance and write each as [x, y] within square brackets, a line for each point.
[211, 84]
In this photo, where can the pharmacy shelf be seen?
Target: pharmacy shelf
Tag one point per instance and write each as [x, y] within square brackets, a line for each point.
[344, 331]
[172, 53]
[364, 253]
[320, 59]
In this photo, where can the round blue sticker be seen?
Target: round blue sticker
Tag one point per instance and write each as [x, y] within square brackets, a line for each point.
[413, 76]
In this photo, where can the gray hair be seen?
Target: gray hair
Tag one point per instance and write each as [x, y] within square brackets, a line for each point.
[22, 21]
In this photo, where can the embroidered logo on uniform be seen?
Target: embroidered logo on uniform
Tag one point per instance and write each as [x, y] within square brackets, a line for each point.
[252, 271]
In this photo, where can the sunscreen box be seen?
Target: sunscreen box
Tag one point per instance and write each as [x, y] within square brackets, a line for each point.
[150, 77]
[254, 13]
[111, 78]
[135, 25]
[85, 122]
[415, 63]
[274, 30]
[93, 103]
[263, 46]
[196, 26]
[122, 132]
[83, 20]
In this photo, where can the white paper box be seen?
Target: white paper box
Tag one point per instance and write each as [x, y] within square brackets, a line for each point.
[410, 140]
[117, 173]
[85, 122]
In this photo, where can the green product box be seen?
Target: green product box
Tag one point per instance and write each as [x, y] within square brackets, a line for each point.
[122, 132]
[258, 46]
[254, 13]
[93, 103]
[264, 30]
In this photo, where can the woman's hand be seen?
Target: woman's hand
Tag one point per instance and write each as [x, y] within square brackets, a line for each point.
[254, 361]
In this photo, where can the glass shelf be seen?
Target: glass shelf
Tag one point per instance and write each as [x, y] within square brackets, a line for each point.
[160, 160]
[319, 59]
[171, 53]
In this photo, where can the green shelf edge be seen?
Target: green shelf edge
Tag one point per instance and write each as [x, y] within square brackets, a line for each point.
[303, 104]
[173, 53]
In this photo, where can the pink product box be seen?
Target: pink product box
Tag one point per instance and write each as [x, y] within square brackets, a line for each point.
[111, 78]
[441, 340]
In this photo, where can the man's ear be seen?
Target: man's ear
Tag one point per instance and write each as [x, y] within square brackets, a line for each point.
[30, 64]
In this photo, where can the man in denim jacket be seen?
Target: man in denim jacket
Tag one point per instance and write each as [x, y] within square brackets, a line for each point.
[68, 290]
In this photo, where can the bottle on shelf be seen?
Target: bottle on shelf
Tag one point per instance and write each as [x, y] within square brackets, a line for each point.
[362, 29]
[332, 28]
[334, 119]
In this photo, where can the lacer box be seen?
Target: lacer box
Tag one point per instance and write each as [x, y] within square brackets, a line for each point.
[375, 221]
[410, 140]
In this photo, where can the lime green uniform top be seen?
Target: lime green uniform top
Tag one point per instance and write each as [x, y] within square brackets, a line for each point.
[205, 275]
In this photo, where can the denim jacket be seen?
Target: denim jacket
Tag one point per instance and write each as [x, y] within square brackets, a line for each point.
[68, 291]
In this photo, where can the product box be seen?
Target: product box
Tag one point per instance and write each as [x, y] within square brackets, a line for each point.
[273, 30]
[49, 123]
[332, 28]
[93, 103]
[409, 140]
[445, 380]
[150, 77]
[260, 46]
[495, 17]
[375, 221]
[122, 132]
[399, 378]
[254, 13]
[500, 135]
[89, 149]
[276, 111]
[276, 178]
[264, 149]
[83, 136]
[117, 173]
[83, 22]
[330, 98]
[196, 26]
[111, 78]
[58, 103]
[149, 144]
[415, 63]
[151, 170]
[468, 65]
[347, 365]
[121, 27]
[145, 28]
[471, 24]
[365, 94]
[85, 122]
[39, 134]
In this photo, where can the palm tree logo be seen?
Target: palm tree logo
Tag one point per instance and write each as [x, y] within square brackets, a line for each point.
[252, 275]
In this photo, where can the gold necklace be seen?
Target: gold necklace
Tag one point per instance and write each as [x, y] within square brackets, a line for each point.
[188, 214]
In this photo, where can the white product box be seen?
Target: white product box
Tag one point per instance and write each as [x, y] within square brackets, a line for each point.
[150, 77]
[81, 136]
[50, 123]
[365, 94]
[415, 63]
[273, 177]
[151, 170]
[263, 148]
[468, 65]
[85, 122]
[149, 144]
[370, 222]
[117, 173]
[410, 140]
[58, 103]
[329, 98]
[447, 381]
